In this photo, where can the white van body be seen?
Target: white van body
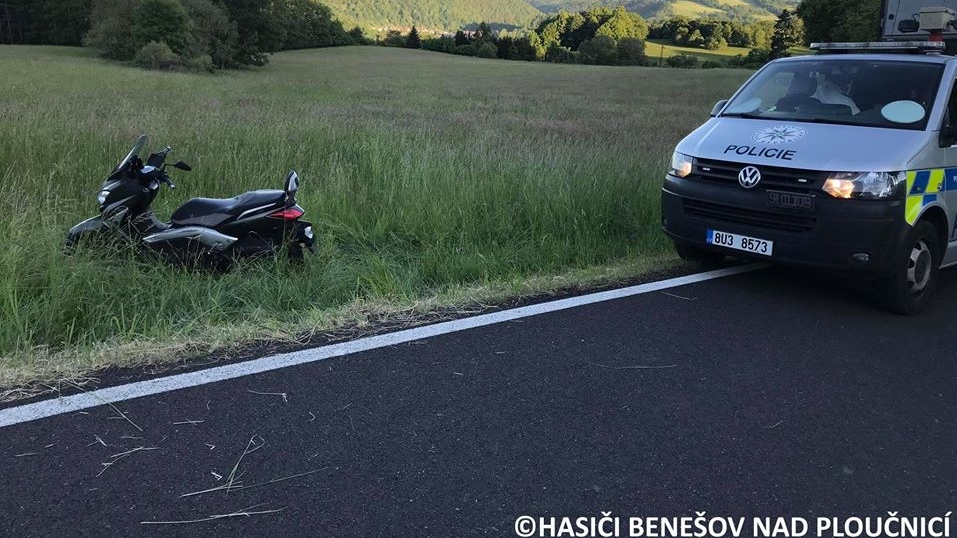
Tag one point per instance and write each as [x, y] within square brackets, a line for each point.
[838, 161]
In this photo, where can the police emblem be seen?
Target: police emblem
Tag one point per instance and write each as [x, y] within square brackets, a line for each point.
[780, 134]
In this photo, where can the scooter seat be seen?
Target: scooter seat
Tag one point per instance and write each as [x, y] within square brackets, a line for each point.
[211, 212]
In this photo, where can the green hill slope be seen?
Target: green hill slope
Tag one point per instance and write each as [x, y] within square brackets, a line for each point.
[688, 8]
[432, 14]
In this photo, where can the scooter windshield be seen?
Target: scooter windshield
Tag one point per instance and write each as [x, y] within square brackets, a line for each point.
[134, 151]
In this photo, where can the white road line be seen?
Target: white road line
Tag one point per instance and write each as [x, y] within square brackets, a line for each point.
[86, 400]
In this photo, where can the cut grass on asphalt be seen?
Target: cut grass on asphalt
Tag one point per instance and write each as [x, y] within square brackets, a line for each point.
[432, 180]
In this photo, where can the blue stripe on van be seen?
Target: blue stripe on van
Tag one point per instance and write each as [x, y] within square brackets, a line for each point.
[950, 179]
[921, 179]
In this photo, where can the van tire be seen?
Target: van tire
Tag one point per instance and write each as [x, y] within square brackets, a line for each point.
[912, 285]
[698, 255]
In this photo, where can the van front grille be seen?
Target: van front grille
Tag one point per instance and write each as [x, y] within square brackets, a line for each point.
[790, 179]
[749, 217]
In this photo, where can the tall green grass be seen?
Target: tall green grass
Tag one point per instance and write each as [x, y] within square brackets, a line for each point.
[422, 173]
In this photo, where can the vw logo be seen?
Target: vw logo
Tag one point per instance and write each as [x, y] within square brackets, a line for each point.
[749, 176]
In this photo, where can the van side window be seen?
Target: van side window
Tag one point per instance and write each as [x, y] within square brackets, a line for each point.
[951, 114]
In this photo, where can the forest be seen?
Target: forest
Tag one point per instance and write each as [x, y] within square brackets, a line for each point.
[220, 34]
[207, 34]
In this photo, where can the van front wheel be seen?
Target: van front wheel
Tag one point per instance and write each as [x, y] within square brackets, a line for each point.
[910, 288]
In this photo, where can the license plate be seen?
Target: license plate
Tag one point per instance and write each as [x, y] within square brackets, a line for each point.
[791, 200]
[740, 242]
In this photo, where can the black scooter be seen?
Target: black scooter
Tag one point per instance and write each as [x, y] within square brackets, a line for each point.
[210, 232]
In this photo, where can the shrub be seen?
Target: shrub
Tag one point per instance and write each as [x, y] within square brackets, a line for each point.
[203, 62]
[560, 55]
[157, 55]
[465, 50]
[711, 64]
[439, 44]
[684, 61]
[487, 50]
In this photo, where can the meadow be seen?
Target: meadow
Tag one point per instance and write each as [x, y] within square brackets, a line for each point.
[433, 181]
[662, 48]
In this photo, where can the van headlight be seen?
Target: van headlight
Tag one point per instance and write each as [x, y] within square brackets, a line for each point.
[867, 185]
[681, 165]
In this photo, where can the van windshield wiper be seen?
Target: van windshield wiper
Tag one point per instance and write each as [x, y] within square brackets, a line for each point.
[750, 115]
[832, 121]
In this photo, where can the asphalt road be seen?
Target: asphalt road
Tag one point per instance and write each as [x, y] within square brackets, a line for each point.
[771, 393]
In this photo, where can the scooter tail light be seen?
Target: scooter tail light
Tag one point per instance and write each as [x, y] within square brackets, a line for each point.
[291, 213]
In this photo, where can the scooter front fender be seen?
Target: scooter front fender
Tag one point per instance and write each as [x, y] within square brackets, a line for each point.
[90, 229]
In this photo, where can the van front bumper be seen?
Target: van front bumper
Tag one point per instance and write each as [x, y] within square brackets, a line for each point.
[861, 236]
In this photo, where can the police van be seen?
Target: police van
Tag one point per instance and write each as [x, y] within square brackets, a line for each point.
[846, 160]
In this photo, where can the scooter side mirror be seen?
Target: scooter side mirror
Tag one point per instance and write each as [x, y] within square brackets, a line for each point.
[292, 183]
[182, 166]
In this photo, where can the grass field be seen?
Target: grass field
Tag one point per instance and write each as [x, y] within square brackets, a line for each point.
[662, 48]
[653, 49]
[687, 8]
[433, 180]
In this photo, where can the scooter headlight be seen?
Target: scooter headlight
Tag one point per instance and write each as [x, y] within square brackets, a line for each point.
[868, 185]
[101, 198]
[308, 232]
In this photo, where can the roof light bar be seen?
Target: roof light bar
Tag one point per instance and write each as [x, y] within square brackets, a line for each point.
[930, 46]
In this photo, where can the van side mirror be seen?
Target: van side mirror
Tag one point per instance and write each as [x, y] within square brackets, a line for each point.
[718, 106]
[908, 26]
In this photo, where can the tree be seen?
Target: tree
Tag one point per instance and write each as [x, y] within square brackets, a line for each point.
[163, 21]
[413, 41]
[600, 50]
[110, 32]
[260, 30]
[308, 24]
[715, 42]
[788, 32]
[631, 51]
[840, 20]
[623, 24]
[358, 36]
[213, 35]
[483, 34]
[695, 39]
[394, 38]
[63, 22]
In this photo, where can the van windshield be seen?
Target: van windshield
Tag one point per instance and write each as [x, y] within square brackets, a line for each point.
[878, 93]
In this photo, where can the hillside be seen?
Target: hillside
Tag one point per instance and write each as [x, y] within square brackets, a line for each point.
[688, 8]
[433, 14]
